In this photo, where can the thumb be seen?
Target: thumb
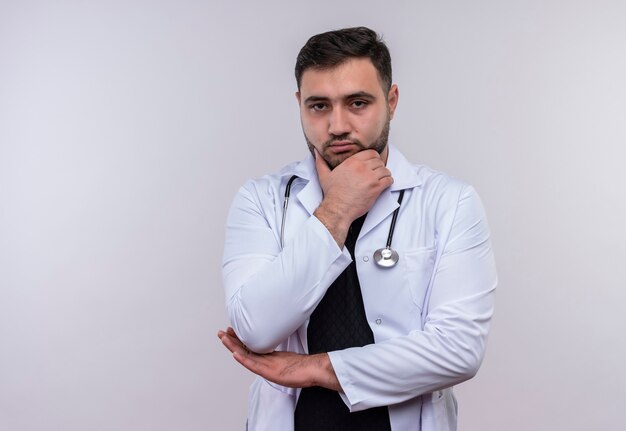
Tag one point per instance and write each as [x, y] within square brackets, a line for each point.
[321, 166]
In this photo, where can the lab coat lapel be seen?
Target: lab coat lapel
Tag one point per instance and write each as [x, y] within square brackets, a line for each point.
[404, 177]
[383, 207]
[311, 194]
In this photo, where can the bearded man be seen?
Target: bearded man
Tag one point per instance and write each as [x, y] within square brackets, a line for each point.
[359, 286]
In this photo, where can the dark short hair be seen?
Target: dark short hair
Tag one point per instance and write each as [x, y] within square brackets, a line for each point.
[330, 49]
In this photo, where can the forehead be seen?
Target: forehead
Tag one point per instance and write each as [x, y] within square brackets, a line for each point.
[349, 77]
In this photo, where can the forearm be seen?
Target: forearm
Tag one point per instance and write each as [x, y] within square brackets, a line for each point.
[311, 370]
[405, 367]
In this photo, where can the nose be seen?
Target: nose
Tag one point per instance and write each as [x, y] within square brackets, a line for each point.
[339, 123]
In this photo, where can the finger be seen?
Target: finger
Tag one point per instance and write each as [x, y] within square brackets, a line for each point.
[228, 343]
[286, 370]
[249, 362]
[231, 333]
[367, 155]
[382, 172]
[233, 344]
[265, 366]
[386, 182]
[374, 163]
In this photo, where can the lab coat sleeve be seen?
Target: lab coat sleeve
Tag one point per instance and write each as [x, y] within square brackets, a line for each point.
[450, 346]
[269, 292]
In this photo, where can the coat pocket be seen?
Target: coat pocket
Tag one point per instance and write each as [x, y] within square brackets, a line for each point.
[418, 270]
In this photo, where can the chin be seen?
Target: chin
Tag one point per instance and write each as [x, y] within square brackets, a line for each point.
[336, 159]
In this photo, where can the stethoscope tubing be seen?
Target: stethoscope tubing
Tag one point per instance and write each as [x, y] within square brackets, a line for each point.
[285, 204]
[384, 262]
[394, 217]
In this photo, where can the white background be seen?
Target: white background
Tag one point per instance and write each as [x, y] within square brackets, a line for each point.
[126, 127]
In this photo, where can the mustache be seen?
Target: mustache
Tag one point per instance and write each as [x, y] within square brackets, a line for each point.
[342, 138]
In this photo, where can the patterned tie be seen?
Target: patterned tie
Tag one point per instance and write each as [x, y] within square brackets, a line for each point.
[337, 323]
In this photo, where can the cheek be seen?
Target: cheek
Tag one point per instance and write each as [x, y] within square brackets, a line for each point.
[313, 129]
[372, 126]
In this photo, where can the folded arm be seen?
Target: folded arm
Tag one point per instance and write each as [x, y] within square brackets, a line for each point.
[271, 292]
[450, 347]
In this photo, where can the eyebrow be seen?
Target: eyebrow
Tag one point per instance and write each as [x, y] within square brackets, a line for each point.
[358, 94]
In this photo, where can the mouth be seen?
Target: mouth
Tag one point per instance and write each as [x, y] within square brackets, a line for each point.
[338, 147]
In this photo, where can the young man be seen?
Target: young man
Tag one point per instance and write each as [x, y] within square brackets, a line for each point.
[365, 299]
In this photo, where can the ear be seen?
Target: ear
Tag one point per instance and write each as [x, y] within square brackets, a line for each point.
[298, 97]
[392, 99]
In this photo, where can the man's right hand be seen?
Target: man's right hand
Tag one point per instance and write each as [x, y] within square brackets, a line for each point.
[350, 190]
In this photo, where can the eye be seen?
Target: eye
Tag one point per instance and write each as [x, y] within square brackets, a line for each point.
[317, 106]
[359, 104]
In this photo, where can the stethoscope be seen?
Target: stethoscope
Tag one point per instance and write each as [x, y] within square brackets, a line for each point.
[385, 257]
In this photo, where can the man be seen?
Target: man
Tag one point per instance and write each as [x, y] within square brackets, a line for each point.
[338, 341]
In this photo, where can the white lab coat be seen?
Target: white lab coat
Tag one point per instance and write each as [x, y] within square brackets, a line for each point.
[429, 314]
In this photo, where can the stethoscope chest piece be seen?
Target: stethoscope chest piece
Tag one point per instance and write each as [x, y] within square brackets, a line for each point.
[386, 257]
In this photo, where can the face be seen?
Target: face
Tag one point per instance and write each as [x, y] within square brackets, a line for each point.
[345, 110]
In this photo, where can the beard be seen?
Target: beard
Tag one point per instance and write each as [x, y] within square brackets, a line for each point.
[379, 145]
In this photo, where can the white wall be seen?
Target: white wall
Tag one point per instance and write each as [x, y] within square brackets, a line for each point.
[127, 126]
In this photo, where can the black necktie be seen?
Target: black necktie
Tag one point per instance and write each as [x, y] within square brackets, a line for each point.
[339, 322]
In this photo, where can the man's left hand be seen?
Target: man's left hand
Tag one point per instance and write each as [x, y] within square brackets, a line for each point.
[284, 368]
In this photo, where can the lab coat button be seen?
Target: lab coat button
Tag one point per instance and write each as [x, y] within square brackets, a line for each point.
[379, 321]
[366, 258]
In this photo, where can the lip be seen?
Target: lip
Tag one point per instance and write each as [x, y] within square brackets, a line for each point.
[341, 146]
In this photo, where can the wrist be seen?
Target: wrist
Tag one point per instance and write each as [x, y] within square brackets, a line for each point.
[323, 373]
[335, 220]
